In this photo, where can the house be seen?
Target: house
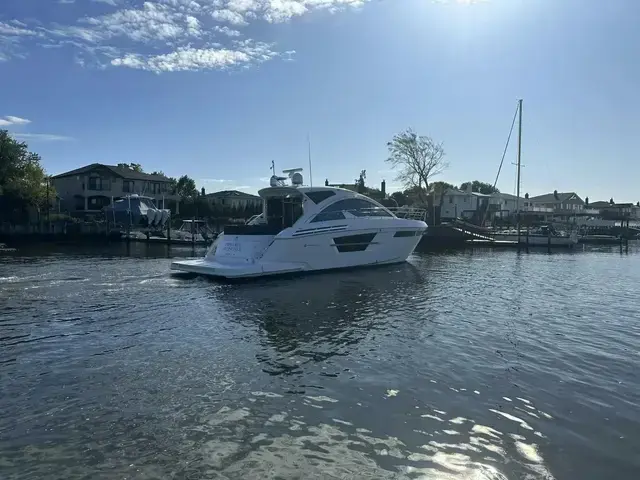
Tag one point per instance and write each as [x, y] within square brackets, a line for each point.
[561, 203]
[462, 204]
[234, 199]
[618, 211]
[88, 189]
[503, 204]
[558, 206]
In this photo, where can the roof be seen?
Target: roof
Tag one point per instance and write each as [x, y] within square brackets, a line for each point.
[230, 194]
[455, 191]
[506, 196]
[563, 197]
[118, 171]
[602, 204]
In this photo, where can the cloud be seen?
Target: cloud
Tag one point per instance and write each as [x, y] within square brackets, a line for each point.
[66, 2]
[278, 11]
[229, 16]
[229, 32]
[17, 29]
[17, 120]
[215, 180]
[152, 22]
[11, 120]
[164, 35]
[194, 59]
[46, 137]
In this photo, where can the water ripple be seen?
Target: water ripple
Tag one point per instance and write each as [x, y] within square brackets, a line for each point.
[477, 365]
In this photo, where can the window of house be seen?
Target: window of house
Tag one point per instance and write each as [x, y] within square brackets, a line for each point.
[127, 186]
[156, 188]
[450, 199]
[95, 183]
[358, 207]
[319, 196]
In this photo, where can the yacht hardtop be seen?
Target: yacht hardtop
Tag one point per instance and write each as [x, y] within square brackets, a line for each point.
[305, 228]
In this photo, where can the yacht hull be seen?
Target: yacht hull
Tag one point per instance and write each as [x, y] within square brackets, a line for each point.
[245, 256]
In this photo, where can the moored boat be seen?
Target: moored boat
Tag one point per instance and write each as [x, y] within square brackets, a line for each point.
[304, 229]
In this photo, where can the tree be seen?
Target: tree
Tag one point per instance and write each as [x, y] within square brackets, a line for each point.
[439, 189]
[23, 181]
[418, 158]
[360, 187]
[136, 167]
[400, 198]
[186, 187]
[479, 187]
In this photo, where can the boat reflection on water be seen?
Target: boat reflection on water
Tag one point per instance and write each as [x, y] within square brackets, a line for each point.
[326, 340]
[314, 317]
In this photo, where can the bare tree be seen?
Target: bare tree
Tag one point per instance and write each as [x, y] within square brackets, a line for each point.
[418, 159]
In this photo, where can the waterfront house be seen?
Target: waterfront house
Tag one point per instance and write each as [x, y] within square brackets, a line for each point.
[503, 205]
[462, 203]
[88, 189]
[233, 199]
[619, 211]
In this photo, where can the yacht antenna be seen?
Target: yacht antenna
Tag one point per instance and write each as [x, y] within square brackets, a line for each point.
[273, 167]
[310, 174]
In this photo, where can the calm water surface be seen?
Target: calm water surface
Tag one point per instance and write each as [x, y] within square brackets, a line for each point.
[475, 365]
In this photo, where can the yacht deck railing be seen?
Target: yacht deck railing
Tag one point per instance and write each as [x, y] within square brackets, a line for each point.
[409, 213]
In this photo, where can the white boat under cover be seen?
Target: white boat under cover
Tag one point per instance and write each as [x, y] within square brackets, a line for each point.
[306, 229]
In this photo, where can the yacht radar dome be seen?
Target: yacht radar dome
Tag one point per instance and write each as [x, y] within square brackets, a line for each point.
[295, 176]
[276, 181]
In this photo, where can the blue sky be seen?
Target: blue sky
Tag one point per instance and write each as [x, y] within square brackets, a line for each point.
[217, 89]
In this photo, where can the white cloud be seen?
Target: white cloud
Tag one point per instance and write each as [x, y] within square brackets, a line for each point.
[17, 120]
[17, 29]
[194, 59]
[164, 35]
[66, 2]
[152, 22]
[229, 32]
[229, 16]
[11, 120]
[47, 137]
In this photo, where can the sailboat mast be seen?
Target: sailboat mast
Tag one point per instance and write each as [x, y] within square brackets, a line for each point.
[519, 164]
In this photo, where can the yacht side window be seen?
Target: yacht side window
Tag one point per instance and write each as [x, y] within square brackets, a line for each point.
[357, 207]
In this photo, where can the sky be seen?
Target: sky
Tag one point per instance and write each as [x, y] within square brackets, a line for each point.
[217, 89]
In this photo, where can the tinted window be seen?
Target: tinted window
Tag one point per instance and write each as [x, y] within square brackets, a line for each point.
[319, 196]
[325, 217]
[357, 207]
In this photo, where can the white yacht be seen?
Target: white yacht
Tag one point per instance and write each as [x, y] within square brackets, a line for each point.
[310, 228]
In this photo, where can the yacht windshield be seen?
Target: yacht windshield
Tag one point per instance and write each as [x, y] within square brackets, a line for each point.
[358, 207]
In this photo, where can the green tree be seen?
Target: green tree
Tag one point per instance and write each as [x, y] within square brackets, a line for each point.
[418, 159]
[400, 198]
[186, 187]
[136, 167]
[23, 181]
[439, 189]
[360, 186]
[480, 187]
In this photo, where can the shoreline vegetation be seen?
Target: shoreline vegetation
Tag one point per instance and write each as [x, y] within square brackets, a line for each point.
[30, 206]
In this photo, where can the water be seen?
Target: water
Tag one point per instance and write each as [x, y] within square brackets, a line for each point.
[475, 365]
